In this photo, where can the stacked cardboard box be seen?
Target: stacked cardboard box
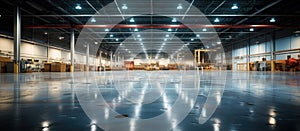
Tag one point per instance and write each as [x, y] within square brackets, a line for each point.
[58, 67]
[3, 63]
[78, 67]
[47, 67]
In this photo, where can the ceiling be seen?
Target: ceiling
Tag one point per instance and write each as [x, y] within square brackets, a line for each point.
[49, 22]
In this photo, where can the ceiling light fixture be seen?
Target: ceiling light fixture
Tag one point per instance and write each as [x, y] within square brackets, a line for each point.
[106, 30]
[197, 35]
[192, 39]
[61, 37]
[45, 33]
[219, 42]
[169, 29]
[174, 20]
[93, 20]
[124, 7]
[167, 35]
[216, 20]
[136, 29]
[272, 20]
[234, 7]
[96, 43]
[138, 35]
[251, 29]
[78, 7]
[111, 35]
[204, 29]
[131, 20]
[165, 39]
[117, 39]
[179, 7]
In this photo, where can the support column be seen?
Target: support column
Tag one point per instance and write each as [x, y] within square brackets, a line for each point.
[273, 57]
[72, 43]
[17, 38]
[199, 56]
[115, 62]
[87, 57]
[111, 59]
[248, 55]
[119, 60]
[195, 58]
[100, 55]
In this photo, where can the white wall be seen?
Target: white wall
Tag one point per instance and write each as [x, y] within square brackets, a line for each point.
[295, 42]
[6, 45]
[283, 44]
[33, 51]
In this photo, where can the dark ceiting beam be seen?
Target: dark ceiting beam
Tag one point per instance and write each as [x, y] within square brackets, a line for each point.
[159, 26]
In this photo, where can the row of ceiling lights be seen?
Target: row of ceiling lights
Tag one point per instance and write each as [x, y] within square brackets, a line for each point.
[179, 7]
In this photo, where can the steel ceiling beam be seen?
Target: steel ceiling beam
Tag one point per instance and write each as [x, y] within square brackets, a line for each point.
[160, 26]
[169, 15]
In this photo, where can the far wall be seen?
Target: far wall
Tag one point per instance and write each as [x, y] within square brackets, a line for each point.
[256, 49]
[44, 53]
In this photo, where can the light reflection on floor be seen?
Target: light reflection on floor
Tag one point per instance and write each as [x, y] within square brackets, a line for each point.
[251, 101]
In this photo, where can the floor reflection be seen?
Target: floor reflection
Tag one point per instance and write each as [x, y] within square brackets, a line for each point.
[251, 101]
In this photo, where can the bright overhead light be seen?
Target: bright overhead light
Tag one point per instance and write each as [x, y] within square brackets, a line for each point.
[45, 33]
[61, 37]
[106, 30]
[272, 20]
[93, 20]
[169, 29]
[167, 35]
[163, 43]
[204, 29]
[179, 7]
[197, 35]
[174, 20]
[96, 43]
[138, 35]
[117, 39]
[141, 43]
[219, 42]
[131, 20]
[126, 49]
[78, 7]
[192, 39]
[234, 7]
[216, 20]
[124, 7]
[111, 35]
[251, 29]
[136, 29]
[140, 39]
[165, 39]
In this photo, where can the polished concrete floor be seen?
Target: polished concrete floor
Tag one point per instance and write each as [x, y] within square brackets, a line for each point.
[151, 100]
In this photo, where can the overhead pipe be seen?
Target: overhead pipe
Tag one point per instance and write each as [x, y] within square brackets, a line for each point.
[92, 7]
[217, 7]
[209, 6]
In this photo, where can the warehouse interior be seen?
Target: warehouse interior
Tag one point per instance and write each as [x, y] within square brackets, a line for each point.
[135, 65]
